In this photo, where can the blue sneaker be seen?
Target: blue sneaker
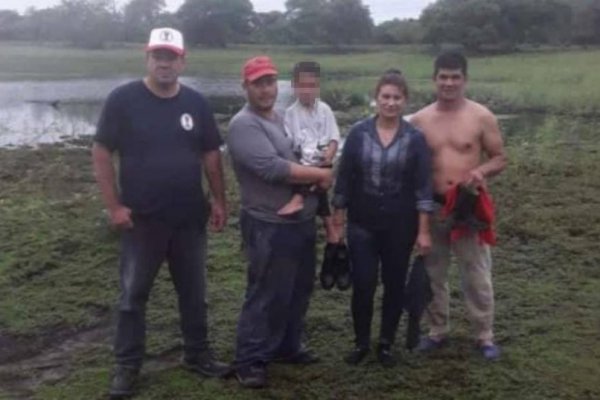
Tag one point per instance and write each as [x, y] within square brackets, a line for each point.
[490, 352]
[428, 344]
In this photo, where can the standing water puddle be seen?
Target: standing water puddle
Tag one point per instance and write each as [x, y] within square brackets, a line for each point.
[35, 112]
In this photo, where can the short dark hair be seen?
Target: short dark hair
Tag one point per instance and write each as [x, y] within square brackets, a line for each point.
[392, 77]
[450, 60]
[311, 67]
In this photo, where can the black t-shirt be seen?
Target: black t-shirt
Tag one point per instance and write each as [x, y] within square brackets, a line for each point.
[159, 142]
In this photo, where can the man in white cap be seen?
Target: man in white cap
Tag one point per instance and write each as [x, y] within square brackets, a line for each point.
[165, 135]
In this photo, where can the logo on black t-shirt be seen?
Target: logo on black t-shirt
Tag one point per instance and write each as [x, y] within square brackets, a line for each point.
[187, 122]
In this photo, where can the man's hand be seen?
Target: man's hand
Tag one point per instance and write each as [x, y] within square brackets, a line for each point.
[218, 217]
[326, 180]
[474, 178]
[120, 217]
[423, 243]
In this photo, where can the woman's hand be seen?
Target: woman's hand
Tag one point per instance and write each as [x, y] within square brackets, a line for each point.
[423, 243]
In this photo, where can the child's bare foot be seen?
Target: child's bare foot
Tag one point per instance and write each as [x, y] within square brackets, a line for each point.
[295, 205]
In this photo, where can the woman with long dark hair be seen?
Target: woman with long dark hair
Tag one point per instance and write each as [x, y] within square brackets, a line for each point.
[384, 187]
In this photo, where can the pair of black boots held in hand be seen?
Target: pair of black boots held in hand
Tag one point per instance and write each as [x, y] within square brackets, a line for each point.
[335, 269]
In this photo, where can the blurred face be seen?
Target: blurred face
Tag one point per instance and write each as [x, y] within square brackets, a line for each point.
[164, 66]
[262, 92]
[390, 101]
[450, 84]
[307, 88]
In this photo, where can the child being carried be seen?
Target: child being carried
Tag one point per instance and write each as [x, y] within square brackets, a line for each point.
[313, 128]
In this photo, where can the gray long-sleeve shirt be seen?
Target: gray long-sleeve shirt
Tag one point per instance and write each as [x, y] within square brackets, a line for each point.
[261, 152]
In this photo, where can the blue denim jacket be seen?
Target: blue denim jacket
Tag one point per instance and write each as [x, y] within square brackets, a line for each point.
[381, 185]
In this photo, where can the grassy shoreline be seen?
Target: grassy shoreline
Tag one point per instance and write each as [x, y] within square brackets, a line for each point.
[553, 82]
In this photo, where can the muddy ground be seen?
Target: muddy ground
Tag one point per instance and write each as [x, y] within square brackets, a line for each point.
[58, 288]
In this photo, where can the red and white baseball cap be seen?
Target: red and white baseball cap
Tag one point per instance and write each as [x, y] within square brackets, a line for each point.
[166, 38]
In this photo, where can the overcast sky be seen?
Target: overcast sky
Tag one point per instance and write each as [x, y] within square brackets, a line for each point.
[381, 10]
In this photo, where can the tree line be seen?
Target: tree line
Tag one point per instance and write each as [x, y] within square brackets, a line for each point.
[477, 25]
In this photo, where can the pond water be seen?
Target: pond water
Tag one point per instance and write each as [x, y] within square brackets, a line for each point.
[33, 112]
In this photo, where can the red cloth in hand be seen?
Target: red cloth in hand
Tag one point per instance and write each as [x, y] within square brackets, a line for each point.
[484, 211]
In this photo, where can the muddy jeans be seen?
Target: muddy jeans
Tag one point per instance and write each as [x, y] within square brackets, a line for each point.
[143, 250]
[281, 272]
[475, 266]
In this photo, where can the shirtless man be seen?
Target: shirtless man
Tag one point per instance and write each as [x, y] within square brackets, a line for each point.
[460, 132]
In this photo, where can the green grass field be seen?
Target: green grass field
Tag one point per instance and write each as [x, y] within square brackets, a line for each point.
[58, 262]
[58, 281]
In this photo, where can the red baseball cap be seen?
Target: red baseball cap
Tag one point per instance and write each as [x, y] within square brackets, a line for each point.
[257, 67]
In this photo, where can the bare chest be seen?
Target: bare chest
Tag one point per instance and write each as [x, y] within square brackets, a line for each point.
[455, 136]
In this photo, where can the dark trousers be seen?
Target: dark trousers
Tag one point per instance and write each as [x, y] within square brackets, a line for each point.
[281, 271]
[143, 250]
[368, 248]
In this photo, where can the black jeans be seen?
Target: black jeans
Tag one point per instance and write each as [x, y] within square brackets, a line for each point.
[143, 250]
[368, 248]
[281, 272]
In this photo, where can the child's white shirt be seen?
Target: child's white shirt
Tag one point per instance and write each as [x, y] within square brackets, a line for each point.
[311, 129]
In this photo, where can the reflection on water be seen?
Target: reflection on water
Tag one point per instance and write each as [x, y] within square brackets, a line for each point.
[33, 123]
[51, 111]
[45, 112]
